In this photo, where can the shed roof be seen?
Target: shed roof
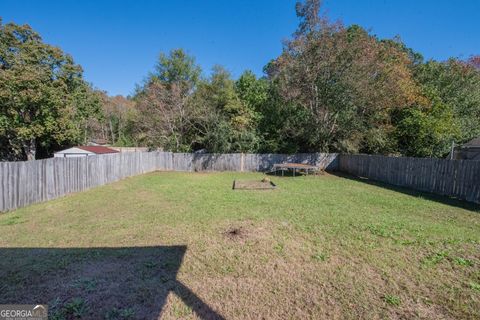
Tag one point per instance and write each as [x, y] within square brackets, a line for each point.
[97, 149]
[473, 143]
[100, 141]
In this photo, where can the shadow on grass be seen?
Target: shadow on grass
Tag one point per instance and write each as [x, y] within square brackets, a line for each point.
[97, 283]
[415, 193]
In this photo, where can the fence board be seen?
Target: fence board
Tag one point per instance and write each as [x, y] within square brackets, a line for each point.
[454, 178]
[24, 183]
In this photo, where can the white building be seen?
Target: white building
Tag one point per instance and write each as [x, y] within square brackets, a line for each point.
[83, 151]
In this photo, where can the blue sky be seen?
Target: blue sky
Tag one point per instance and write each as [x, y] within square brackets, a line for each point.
[117, 42]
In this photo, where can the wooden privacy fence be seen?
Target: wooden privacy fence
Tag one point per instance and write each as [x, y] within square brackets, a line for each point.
[27, 182]
[454, 178]
[247, 162]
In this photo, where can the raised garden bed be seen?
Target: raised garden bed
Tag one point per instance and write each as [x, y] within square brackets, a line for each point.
[253, 185]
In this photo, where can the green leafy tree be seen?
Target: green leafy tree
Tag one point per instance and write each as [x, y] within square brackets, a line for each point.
[348, 82]
[42, 95]
[456, 84]
[165, 115]
[426, 132]
[177, 68]
[230, 123]
[117, 123]
[253, 92]
[88, 111]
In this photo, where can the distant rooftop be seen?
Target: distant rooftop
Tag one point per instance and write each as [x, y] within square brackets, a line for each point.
[97, 149]
[96, 142]
[473, 143]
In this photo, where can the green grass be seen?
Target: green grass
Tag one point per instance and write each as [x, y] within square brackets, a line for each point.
[392, 300]
[316, 247]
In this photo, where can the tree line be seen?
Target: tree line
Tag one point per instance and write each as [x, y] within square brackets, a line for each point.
[334, 88]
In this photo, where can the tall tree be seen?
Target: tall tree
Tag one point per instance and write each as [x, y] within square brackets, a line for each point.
[177, 68]
[230, 122]
[456, 84]
[426, 131]
[346, 79]
[42, 94]
[165, 117]
[120, 113]
[252, 91]
[474, 61]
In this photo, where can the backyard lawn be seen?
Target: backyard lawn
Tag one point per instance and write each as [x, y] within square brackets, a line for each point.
[185, 245]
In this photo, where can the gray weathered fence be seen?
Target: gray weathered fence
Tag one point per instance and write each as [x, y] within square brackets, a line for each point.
[454, 178]
[27, 182]
[247, 162]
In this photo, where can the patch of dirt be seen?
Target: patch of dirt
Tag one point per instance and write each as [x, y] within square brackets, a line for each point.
[236, 233]
[248, 231]
[253, 185]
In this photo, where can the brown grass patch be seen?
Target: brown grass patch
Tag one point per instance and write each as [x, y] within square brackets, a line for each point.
[236, 233]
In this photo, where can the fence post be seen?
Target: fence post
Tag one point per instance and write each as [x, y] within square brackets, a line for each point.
[26, 183]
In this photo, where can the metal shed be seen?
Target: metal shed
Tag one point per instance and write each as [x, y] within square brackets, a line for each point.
[83, 151]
